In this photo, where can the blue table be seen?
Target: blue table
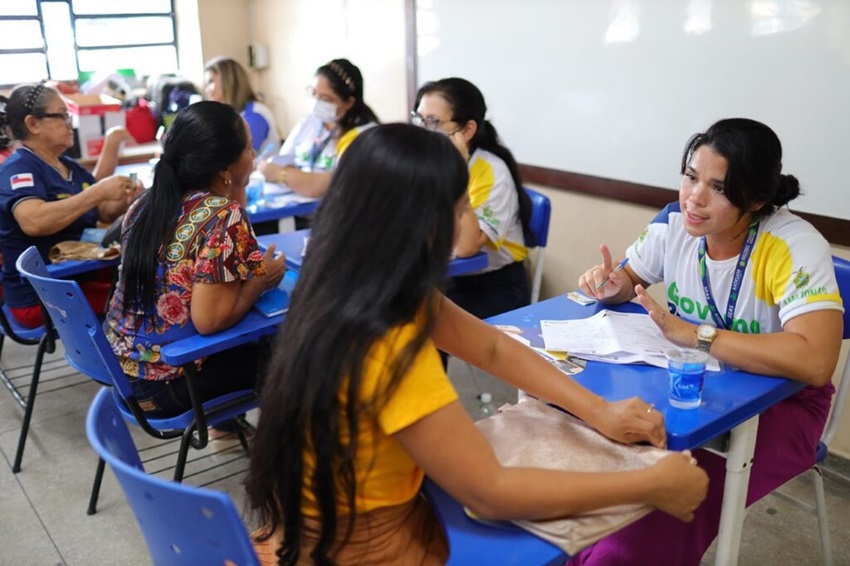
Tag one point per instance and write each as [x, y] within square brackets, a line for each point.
[275, 209]
[292, 245]
[276, 203]
[473, 542]
[279, 201]
[69, 268]
[732, 402]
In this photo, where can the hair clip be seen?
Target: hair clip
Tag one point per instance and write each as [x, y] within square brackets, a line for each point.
[343, 76]
[33, 95]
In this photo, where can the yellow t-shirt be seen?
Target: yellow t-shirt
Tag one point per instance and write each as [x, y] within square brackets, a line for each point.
[385, 474]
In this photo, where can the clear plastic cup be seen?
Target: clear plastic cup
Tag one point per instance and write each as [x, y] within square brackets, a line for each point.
[686, 368]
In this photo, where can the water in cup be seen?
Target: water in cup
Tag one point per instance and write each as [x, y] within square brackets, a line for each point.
[686, 369]
[254, 190]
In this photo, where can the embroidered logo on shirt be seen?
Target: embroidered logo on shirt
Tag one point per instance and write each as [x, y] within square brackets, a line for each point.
[22, 181]
[801, 278]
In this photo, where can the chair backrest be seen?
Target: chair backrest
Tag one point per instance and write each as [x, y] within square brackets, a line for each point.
[86, 348]
[842, 275]
[181, 524]
[541, 211]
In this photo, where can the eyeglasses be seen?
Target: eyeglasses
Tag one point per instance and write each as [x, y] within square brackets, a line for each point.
[429, 123]
[61, 115]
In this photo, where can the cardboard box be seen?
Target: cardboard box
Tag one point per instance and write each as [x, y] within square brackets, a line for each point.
[93, 115]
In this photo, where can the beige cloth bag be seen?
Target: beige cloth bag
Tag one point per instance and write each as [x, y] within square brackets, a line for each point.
[534, 434]
[64, 251]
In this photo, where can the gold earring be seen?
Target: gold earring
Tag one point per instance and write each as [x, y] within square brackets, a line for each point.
[227, 182]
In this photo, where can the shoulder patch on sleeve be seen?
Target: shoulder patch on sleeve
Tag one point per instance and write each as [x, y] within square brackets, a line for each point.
[21, 181]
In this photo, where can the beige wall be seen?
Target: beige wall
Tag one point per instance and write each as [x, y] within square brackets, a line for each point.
[304, 34]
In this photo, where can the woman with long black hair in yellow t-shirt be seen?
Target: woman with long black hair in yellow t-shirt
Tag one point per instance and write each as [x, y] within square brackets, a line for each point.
[356, 406]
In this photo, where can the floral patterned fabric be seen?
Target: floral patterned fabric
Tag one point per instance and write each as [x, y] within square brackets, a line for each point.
[213, 243]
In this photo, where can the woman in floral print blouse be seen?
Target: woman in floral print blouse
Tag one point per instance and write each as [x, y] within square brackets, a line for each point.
[191, 262]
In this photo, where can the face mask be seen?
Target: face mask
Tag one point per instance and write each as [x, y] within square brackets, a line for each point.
[324, 111]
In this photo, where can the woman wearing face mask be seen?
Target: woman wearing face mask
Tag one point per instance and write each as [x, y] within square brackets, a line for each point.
[497, 220]
[312, 148]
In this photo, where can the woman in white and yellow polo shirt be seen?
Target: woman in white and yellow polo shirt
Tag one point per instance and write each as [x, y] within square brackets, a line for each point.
[497, 219]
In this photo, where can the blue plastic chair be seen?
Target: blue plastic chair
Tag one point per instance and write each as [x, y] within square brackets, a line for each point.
[46, 345]
[541, 211]
[181, 524]
[87, 351]
[842, 275]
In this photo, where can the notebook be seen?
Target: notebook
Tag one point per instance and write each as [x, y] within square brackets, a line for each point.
[276, 301]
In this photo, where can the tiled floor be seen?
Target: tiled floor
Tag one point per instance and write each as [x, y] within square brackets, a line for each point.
[42, 509]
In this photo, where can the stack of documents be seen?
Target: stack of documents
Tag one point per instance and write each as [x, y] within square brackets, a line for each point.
[612, 337]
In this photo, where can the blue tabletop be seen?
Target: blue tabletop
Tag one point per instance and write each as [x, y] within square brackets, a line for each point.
[69, 268]
[730, 396]
[275, 208]
[292, 245]
[473, 542]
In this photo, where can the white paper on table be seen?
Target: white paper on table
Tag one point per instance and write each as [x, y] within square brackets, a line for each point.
[276, 189]
[613, 337]
[291, 199]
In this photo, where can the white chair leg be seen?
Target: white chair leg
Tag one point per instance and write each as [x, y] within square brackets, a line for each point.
[823, 522]
[537, 278]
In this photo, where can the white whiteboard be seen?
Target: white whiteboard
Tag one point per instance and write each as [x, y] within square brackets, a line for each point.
[615, 88]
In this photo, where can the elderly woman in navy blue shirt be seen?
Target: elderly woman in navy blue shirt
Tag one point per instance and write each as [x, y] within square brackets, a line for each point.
[46, 198]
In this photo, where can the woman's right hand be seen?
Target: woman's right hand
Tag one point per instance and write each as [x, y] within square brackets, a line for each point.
[117, 187]
[275, 264]
[681, 485]
[270, 170]
[591, 278]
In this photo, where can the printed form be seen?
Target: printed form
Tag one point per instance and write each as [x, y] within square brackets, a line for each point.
[613, 337]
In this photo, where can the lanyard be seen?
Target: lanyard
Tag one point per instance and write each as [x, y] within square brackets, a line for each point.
[737, 279]
[318, 147]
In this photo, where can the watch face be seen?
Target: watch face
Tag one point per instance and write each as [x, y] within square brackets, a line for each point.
[706, 332]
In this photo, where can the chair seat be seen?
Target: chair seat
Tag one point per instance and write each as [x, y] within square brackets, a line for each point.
[239, 403]
[33, 334]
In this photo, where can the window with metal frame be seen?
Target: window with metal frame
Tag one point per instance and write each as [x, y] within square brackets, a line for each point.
[60, 39]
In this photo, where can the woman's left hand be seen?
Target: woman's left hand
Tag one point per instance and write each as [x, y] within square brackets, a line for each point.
[678, 331]
[629, 421]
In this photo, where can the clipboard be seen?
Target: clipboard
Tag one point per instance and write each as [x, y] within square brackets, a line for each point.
[275, 301]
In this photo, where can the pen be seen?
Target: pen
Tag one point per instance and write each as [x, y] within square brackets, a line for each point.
[619, 267]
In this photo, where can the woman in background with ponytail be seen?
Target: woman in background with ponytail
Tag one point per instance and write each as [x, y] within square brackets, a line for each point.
[497, 219]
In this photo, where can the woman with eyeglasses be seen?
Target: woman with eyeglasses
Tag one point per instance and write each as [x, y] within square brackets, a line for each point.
[497, 219]
[313, 147]
[46, 197]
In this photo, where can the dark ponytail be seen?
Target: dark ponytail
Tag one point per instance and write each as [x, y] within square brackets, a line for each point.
[788, 190]
[467, 103]
[206, 137]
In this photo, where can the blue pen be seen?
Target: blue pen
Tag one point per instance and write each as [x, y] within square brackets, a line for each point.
[619, 267]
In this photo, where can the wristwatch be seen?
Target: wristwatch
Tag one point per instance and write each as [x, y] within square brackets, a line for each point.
[705, 336]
